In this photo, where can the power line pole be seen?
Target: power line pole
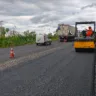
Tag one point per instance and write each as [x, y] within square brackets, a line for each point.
[1, 27]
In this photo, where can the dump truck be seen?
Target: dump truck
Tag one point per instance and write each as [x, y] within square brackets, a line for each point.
[66, 32]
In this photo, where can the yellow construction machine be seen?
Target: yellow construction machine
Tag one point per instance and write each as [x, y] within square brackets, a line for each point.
[84, 42]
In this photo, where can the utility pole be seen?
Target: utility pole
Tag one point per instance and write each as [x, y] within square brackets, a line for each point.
[1, 27]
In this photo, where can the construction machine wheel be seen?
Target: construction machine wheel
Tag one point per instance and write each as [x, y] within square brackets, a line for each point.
[92, 50]
[77, 50]
[84, 50]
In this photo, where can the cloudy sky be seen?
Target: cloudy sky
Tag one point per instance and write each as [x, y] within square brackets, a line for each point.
[45, 15]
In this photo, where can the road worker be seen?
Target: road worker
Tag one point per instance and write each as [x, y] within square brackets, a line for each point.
[89, 32]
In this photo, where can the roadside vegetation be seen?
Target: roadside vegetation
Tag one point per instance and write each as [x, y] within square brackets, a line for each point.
[18, 40]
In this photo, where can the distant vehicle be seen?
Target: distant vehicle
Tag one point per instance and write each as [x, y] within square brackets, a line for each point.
[43, 39]
[66, 32]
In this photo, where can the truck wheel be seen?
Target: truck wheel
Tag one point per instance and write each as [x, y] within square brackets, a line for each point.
[50, 43]
[45, 44]
[60, 40]
[37, 44]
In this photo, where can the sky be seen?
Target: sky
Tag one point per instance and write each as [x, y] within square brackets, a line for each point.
[45, 15]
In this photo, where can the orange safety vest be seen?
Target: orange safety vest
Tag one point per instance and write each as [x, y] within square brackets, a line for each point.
[89, 32]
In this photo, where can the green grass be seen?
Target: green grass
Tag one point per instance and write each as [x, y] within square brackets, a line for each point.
[54, 38]
[16, 41]
[20, 40]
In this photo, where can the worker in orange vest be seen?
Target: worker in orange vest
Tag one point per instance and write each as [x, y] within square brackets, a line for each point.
[89, 32]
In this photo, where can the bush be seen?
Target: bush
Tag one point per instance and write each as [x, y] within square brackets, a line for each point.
[21, 40]
[16, 41]
[53, 37]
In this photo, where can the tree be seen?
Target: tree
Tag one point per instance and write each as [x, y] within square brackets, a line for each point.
[32, 33]
[7, 29]
[50, 35]
[26, 33]
[3, 31]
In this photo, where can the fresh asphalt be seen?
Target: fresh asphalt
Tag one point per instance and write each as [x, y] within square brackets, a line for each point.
[61, 73]
[25, 50]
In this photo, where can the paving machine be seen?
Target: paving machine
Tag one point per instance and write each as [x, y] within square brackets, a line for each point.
[84, 42]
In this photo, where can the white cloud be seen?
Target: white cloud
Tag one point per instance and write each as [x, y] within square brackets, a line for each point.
[42, 14]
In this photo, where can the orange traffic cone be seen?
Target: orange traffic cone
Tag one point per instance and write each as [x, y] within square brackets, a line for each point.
[11, 53]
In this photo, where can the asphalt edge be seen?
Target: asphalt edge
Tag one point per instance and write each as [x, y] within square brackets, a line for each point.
[93, 92]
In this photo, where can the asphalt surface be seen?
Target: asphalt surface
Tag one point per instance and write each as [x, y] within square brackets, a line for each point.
[25, 50]
[61, 73]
